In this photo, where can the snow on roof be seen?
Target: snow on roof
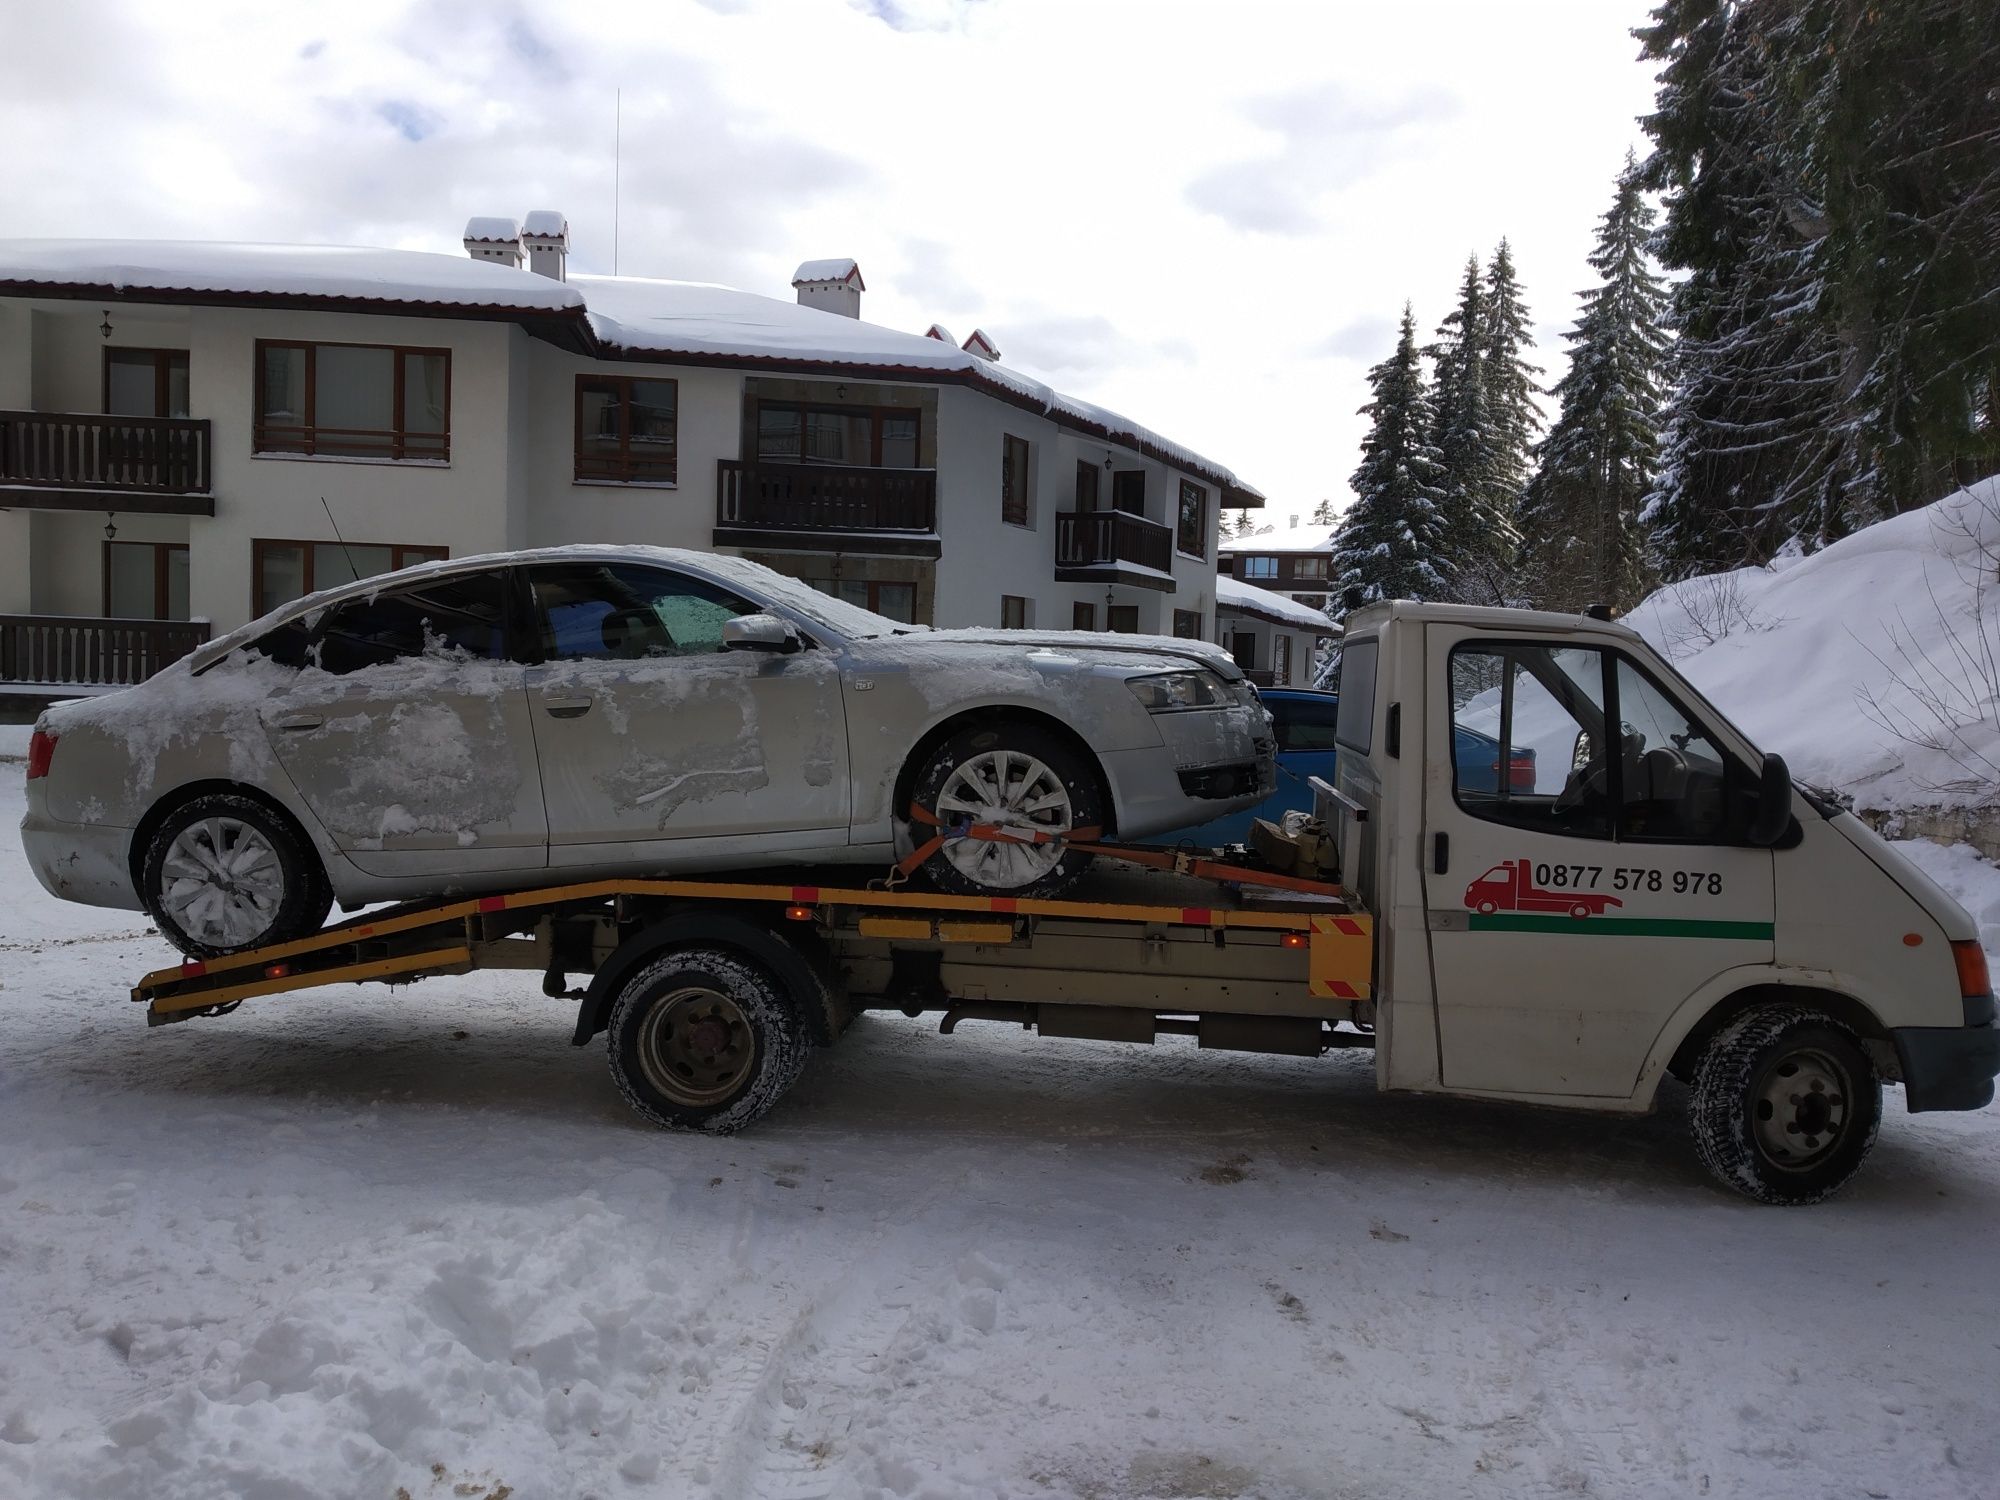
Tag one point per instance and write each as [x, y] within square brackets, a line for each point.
[489, 230]
[840, 268]
[1272, 540]
[1232, 594]
[942, 334]
[334, 271]
[546, 223]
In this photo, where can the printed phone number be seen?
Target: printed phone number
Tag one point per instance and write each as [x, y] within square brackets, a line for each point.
[1591, 877]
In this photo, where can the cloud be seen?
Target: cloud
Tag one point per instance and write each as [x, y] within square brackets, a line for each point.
[1266, 197]
[917, 15]
[412, 121]
[1368, 337]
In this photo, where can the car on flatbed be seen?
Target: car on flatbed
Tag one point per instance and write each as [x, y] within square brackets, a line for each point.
[598, 711]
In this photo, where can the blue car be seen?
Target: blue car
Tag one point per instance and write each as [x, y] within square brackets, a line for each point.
[1303, 720]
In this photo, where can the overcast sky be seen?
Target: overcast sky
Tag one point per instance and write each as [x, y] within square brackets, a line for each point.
[1204, 216]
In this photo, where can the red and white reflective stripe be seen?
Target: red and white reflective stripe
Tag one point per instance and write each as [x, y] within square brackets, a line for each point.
[492, 903]
[1347, 925]
[1197, 916]
[1342, 990]
[805, 895]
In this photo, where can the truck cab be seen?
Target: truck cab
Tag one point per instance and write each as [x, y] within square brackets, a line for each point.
[1649, 894]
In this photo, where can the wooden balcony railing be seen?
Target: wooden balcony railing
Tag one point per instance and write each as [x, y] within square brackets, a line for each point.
[824, 497]
[79, 651]
[1102, 538]
[167, 455]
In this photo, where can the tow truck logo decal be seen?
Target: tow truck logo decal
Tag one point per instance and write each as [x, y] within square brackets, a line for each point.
[1511, 887]
[1509, 898]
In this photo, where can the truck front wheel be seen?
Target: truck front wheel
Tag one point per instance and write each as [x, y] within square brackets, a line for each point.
[1785, 1104]
[704, 1039]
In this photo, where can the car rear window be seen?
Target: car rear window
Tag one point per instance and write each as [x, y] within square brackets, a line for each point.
[1354, 727]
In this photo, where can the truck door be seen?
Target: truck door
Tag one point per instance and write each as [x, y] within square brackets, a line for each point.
[1586, 865]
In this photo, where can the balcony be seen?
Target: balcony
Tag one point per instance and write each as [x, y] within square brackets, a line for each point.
[73, 461]
[1114, 546]
[827, 508]
[51, 655]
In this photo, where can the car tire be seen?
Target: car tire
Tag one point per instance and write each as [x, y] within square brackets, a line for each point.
[225, 872]
[1785, 1105]
[963, 774]
[705, 1039]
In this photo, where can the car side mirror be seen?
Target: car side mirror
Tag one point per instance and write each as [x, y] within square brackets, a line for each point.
[1582, 752]
[1774, 803]
[758, 633]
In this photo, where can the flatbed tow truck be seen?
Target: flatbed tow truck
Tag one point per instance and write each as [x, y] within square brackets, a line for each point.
[1662, 902]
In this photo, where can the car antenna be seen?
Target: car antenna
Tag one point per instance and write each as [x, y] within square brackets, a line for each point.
[339, 538]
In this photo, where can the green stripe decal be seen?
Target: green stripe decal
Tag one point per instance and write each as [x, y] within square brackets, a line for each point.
[1690, 927]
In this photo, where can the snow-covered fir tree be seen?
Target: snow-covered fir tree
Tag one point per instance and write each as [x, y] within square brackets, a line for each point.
[1506, 337]
[1323, 513]
[1462, 431]
[1392, 540]
[1580, 537]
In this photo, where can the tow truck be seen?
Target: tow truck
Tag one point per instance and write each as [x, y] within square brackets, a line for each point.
[1657, 899]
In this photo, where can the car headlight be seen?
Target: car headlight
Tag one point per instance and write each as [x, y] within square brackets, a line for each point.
[1168, 692]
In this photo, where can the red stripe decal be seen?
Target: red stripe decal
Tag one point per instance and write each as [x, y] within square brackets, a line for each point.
[1348, 926]
[1002, 903]
[492, 903]
[368, 931]
[806, 895]
[193, 968]
[1197, 916]
[1343, 990]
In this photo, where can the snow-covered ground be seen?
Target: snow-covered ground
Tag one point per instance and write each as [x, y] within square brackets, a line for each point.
[373, 1243]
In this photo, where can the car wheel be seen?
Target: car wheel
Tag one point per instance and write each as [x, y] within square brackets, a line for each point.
[1018, 777]
[702, 1039]
[1785, 1104]
[226, 872]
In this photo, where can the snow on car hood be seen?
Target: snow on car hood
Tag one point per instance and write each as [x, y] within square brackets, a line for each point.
[1139, 651]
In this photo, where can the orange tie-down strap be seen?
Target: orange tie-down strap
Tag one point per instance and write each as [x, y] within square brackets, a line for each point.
[1085, 841]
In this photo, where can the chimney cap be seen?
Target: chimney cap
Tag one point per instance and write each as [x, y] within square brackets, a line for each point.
[942, 334]
[980, 346]
[838, 269]
[488, 230]
[545, 224]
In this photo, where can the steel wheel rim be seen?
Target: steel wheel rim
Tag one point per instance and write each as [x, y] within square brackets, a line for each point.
[1800, 1109]
[1017, 791]
[696, 1046]
[222, 882]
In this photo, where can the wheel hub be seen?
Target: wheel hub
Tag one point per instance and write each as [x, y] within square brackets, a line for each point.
[1801, 1109]
[1015, 791]
[696, 1046]
[222, 882]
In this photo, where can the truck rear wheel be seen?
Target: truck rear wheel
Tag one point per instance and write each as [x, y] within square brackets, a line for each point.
[704, 1039]
[1785, 1105]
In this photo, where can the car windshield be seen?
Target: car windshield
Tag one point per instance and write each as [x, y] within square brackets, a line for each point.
[843, 619]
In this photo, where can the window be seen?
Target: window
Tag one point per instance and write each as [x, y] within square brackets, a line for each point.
[1083, 617]
[1527, 725]
[862, 437]
[1014, 481]
[285, 571]
[1187, 624]
[353, 401]
[1086, 486]
[461, 618]
[1309, 568]
[1243, 650]
[898, 601]
[146, 580]
[145, 383]
[1122, 619]
[1191, 532]
[1260, 567]
[1128, 491]
[1304, 723]
[1355, 726]
[1013, 612]
[1675, 783]
[1281, 660]
[627, 612]
[627, 429]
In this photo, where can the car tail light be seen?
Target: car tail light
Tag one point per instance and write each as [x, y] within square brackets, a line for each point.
[41, 751]
[1973, 978]
[1520, 771]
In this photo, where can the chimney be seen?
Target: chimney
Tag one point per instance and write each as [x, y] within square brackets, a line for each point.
[980, 346]
[494, 239]
[941, 333]
[545, 234]
[833, 286]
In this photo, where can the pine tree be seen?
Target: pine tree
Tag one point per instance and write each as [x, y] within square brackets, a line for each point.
[1581, 541]
[1506, 336]
[1460, 428]
[1323, 513]
[1392, 540]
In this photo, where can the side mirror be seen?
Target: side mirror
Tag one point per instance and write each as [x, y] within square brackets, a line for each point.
[758, 633]
[1582, 752]
[1774, 803]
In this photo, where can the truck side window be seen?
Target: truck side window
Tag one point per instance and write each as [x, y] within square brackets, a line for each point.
[1355, 719]
[1527, 737]
[1676, 784]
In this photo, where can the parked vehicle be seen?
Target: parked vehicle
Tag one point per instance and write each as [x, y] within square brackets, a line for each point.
[467, 725]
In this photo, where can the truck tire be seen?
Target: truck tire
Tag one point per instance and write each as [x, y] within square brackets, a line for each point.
[704, 1039]
[1047, 783]
[1785, 1104]
[224, 872]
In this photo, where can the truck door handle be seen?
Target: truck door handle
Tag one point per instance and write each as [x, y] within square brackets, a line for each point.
[1440, 853]
[567, 708]
[298, 723]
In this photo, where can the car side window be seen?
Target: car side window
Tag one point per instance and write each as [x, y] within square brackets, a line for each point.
[615, 611]
[462, 617]
[1304, 723]
[1676, 783]
[1527, 737]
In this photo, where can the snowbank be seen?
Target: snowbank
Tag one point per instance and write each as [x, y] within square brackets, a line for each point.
[1873, 667]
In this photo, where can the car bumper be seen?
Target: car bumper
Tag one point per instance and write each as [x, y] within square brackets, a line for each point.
[85, 862]
[1947, 1067]
[1211, 764]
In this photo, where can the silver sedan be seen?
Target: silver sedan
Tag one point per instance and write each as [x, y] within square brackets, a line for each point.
[583, 712]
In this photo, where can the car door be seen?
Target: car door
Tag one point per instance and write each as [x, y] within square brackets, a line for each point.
[407, 731]
[657, 743]
[1575, 902]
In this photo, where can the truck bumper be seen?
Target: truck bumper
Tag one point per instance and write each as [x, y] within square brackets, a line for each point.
[1947, 1067]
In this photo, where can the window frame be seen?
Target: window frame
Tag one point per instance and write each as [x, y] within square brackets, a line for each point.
[625, 474]
[1259, 566]
[1085, 498]
[1199, 492]
[160, 555]
[1014, 599]
[309, 429]
[1082, 615]
[260, 545]
[1191, 619]
[1113, 612]
[1017, 490]
[877, 416]
[162, 360]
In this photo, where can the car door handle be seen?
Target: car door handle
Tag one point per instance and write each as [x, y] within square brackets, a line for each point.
[299, 723]
[567, 708]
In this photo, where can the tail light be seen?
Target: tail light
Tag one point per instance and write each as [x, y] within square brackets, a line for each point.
[41, 751]
[1973, 978]
[1520, 771]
